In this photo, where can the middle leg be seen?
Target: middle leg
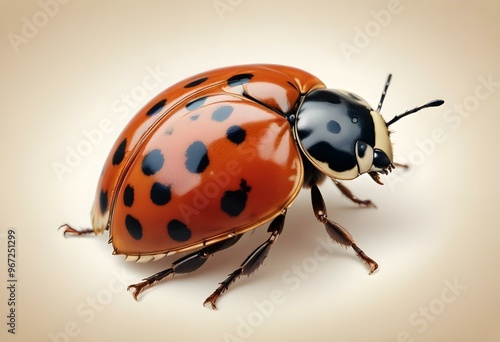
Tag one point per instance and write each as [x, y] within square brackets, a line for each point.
[252, 262]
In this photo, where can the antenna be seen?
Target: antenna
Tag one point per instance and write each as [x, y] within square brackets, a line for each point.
[384, 92]
[435, 103]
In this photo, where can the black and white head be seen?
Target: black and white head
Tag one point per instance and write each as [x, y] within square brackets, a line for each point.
[343, 136]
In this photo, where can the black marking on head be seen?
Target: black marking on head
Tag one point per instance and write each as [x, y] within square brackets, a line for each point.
[336, 159]
[103, 201]
[236, 134]
[324, 95]
[239, 79]
[329, 123]
[156, 108]
[178, 231]
[134, 227]
[222, 113]
[196, 82]
[362, 147]
[128, 196]
[152, 162]
[304, 133]
[333, 127]
[120, 152]
[160, 194]
[234, 202]
[197, 157]
[197, 103]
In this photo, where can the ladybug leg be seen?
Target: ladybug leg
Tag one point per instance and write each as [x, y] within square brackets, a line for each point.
[186, 264]
[338, 233]
[251, 263]
[68, 230]
[346, 192]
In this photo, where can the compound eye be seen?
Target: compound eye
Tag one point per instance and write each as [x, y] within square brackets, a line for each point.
[380, 160]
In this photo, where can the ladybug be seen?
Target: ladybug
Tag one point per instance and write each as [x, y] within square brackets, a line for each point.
[220, 153]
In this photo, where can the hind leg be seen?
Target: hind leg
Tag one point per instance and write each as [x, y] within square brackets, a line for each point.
[186, 264]
[68, 230]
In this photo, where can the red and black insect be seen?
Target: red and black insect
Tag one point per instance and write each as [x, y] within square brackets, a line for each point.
[223, 152]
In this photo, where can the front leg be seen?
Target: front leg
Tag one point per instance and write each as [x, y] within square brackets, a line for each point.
[336, 232]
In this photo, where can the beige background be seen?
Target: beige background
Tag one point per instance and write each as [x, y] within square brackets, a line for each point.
[69, 68]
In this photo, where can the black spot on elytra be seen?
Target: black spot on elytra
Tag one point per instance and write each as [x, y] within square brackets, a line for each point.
[194, 117]
[128, 196]
[196, 103]
[160, 194]
[196, 82]
[236, 134]
[134, 227]
[178, 231]
[239, 79]
[233, 202]
[120, 152]
[103, 201]
[156, 108]
[333, 127]
[197, 157]
[152, 162]
[222, 113]
[169, 131]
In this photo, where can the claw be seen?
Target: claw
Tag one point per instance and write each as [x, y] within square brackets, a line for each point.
[75, 232]
[210, 301]
[366, 259]
[138, 288]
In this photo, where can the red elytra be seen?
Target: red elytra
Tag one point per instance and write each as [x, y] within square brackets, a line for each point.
[225, 151]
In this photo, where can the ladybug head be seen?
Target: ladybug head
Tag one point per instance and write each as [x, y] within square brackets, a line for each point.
[343, 136]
